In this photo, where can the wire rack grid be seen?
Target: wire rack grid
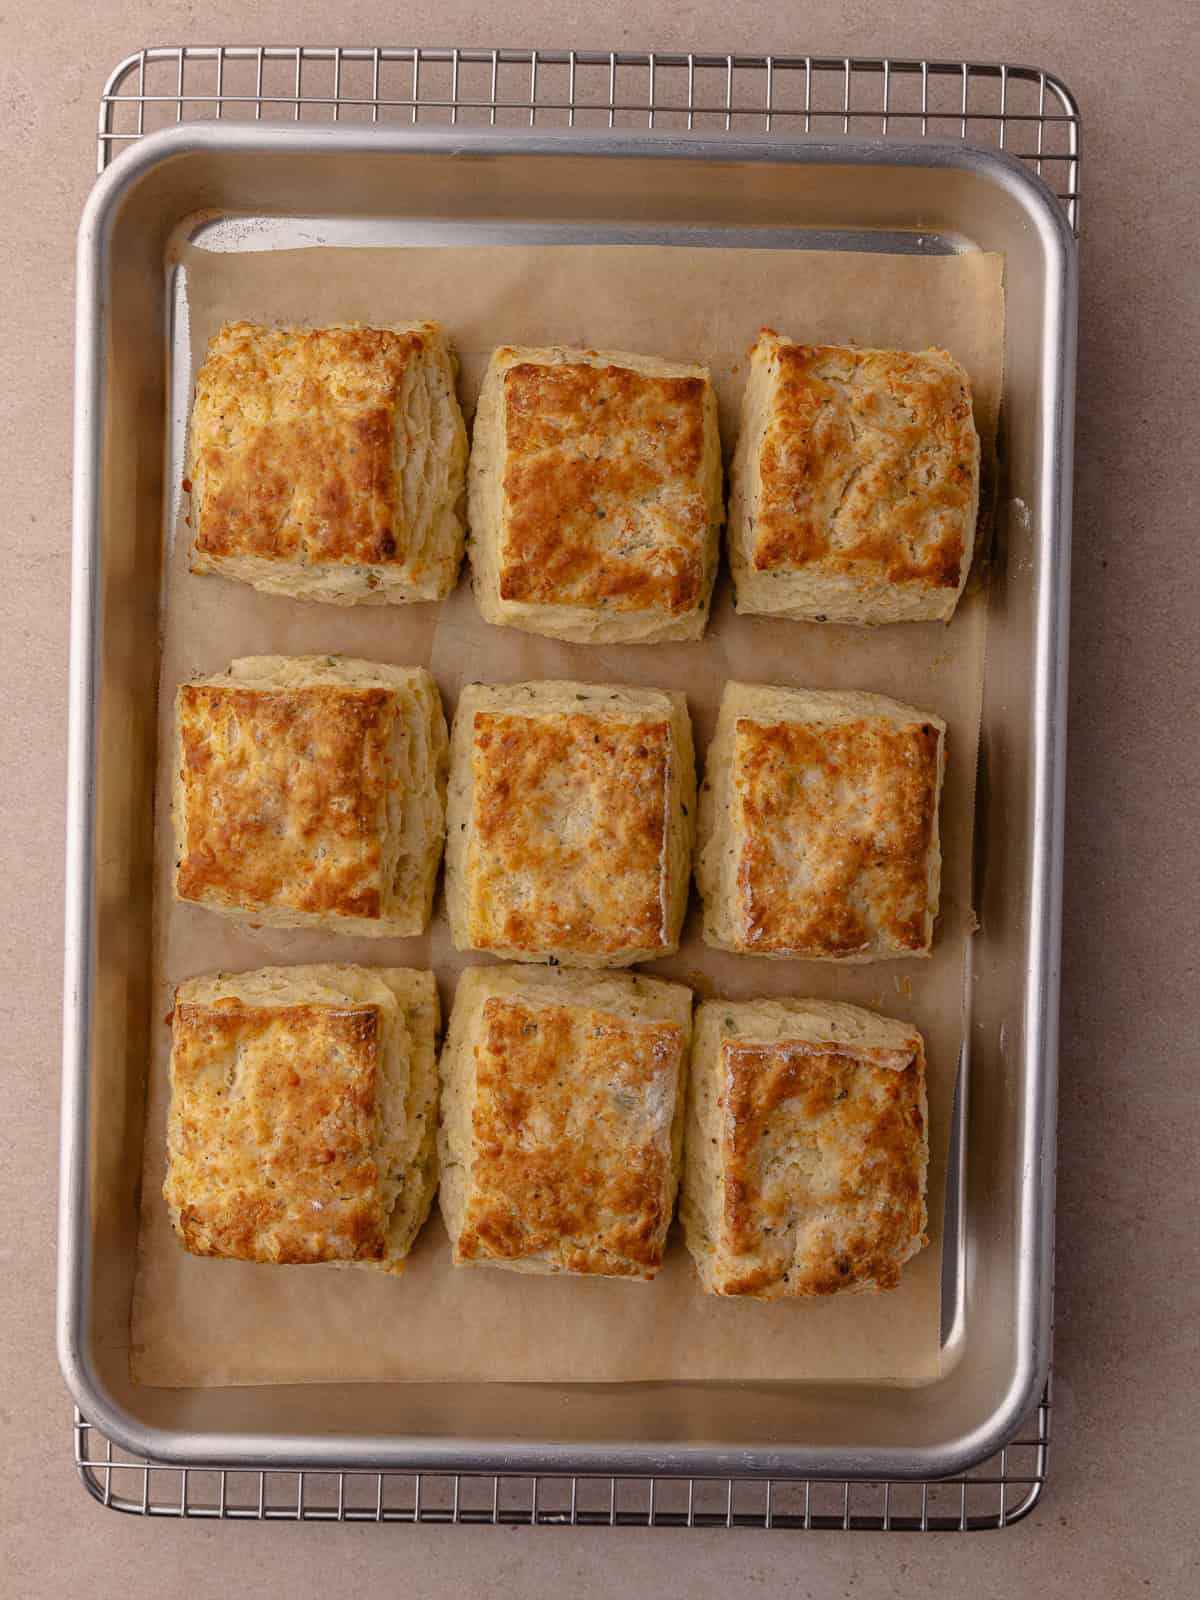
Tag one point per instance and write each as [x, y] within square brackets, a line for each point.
[1027, 112]
[994, 1495]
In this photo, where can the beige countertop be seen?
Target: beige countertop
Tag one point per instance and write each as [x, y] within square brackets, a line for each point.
[1119, 1516]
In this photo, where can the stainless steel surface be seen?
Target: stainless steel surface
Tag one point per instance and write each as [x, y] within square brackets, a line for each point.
[996, 1494]
[615, 186]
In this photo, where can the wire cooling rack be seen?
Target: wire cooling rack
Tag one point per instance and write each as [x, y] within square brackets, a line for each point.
[1025, 111]
[994, 1495]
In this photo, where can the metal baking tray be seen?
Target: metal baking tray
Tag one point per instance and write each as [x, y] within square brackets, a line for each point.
[272, 185]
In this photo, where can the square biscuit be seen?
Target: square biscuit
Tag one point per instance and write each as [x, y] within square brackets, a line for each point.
[329, 463]
[855, 484]
[570, 822]
[302, 1121]
[818, 828]
[595, 498]
[310, 791]
[806, 1148]
[562, 1119]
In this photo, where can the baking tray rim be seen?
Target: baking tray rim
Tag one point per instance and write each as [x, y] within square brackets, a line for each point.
[1036, 1148]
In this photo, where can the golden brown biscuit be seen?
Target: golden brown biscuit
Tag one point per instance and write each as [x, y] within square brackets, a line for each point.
[806, 1148]
[595, 495]
[562, 1119]
[818, 833]
[302, 1119]
[855, 484]
[310, 791]
[329, 463]
[570, 822]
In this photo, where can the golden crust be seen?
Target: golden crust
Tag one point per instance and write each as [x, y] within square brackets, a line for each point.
[775, 1096]
[292, 440]
[328, 462]
[819, 826]
[811, 1151]
[856, 484]
[868, 876]
[570, 822]
[595, 495]
[586, 446]
[564, 1120]
[623, 768]
[311, 791]
[285, 797]
[284, 1149]
[301, 1123]
[558, 1164]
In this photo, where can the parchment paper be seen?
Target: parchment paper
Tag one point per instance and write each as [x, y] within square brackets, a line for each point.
[200, 1322]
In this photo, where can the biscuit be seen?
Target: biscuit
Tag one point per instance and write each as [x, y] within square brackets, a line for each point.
[818, 829]
[310, 791]
[855, 484]
[806, 1148]
[595, 495]
[302, 1122]
[329, 463]
[562, 1119]
[570, 822]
